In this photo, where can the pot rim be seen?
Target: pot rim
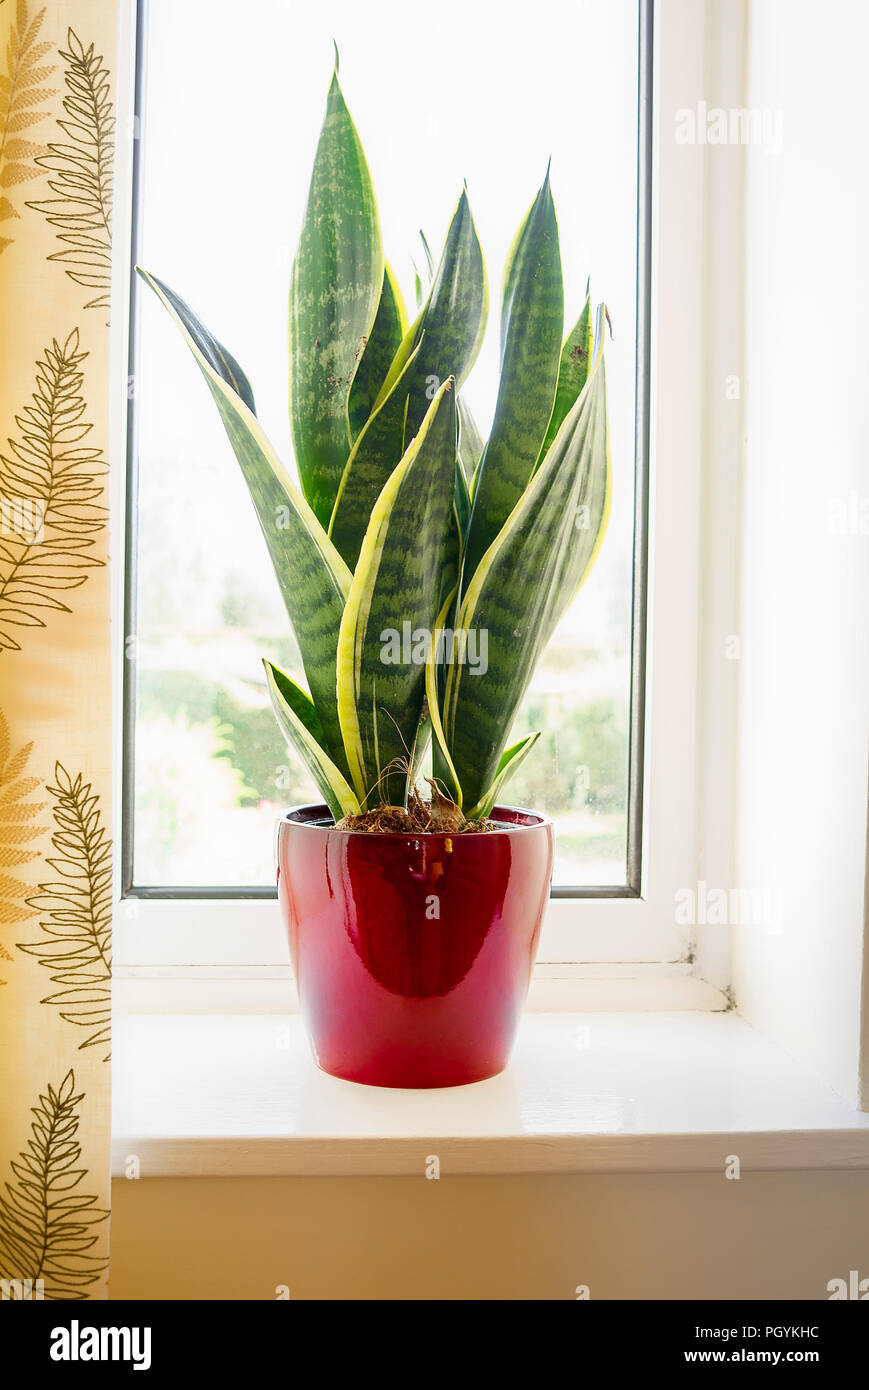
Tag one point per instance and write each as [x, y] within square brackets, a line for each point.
[289, 817]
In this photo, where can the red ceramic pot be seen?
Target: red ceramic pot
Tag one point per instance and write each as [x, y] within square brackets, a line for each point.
[413, 953]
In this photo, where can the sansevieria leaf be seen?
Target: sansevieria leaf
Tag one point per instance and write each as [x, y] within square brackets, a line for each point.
[422, 282]
[418, 287]
[217, 357]
[471, 442]
[372, 460]
[451, 559]
[443, 341]
[389, 328]
[572, 371]
[463, 503]
[393, 605]
[451, 326]
[313, 579]
[526, 580]
[532, 321]
[300, 725]
[511, 759]
[335, 290]
[427, 252]
[442, 764]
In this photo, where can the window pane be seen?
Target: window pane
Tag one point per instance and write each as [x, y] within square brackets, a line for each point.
[231, 123]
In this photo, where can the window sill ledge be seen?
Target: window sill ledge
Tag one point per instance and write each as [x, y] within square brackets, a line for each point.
[238, 1095]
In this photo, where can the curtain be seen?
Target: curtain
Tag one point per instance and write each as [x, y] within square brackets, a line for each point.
[57, 145]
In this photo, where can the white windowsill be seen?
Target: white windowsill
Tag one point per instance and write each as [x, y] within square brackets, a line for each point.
[556, 988]
[238, 1095]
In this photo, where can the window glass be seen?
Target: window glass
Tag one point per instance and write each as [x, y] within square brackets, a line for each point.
[234, 101]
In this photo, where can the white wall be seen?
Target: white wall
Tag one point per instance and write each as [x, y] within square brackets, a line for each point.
[805, 625]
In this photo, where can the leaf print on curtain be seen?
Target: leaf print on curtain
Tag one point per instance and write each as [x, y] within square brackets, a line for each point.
[45, 1221]
[50, 482]
[22, 93]
[81, 166]
[77, 908]
[19, 829]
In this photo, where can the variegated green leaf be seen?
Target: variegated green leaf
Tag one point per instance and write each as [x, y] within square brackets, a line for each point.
[463, 504]
[313, 579]
[215, 354]
[427, 252]
[527, 579]
[443, 341]
[300, 725]
[442, 763]
[572, 372]
[451, 570]
[450, 326]
[335, 291]
[418, 287]
[471, 443]
[422, 282]
[453, 320]
[395, 596]
[389, 329]
[532, 320]
[511, 759]
[372, 460]
[451, 560]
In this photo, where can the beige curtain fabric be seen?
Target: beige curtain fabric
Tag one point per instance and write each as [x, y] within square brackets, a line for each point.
[57, 144]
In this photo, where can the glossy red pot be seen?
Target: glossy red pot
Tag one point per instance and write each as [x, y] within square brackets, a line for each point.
[413, 953]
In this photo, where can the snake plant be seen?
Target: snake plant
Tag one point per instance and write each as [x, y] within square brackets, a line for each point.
[407, 537]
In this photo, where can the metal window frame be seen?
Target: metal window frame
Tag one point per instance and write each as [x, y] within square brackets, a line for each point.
[640, 568]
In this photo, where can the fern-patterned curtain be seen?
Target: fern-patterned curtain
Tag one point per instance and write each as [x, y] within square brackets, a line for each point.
[57, 139]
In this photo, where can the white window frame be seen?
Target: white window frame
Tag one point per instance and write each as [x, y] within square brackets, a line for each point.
[596, 935]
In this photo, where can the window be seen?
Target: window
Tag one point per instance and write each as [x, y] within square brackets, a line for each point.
[229, 118]
[709, 737]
